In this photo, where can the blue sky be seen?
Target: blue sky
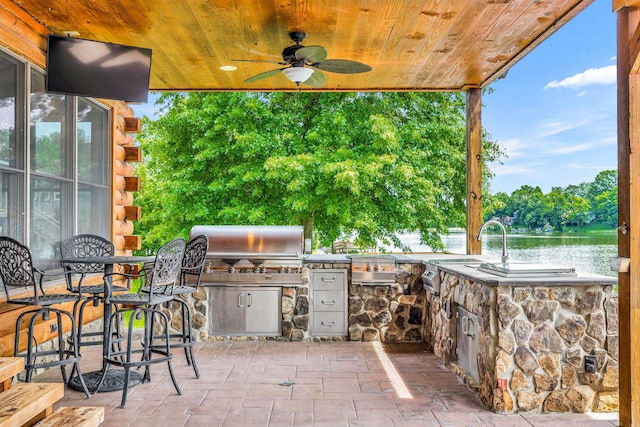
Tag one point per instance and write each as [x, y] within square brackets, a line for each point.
[555, 112]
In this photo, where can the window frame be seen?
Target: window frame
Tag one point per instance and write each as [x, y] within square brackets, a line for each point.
[69, 176]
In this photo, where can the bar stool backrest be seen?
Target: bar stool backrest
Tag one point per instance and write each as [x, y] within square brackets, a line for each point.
[167, 265]
[194, 257]
[84, 245]
[16, 268]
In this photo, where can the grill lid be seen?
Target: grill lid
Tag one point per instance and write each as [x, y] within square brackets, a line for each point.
[252, 242]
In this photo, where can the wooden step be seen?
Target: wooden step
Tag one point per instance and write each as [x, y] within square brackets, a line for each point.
[80, 416]
[9, 367]
[27, 403]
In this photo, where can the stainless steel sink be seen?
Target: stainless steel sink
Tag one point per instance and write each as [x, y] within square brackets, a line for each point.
[516, 269]
[455, 261]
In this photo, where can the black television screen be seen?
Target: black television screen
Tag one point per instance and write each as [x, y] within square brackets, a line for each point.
[97, 69]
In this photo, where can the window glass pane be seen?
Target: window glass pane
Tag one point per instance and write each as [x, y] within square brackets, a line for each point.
[11, 107]
[12, 205]
[49, 132]
[93, 139]
[49, 219]
[93, 210]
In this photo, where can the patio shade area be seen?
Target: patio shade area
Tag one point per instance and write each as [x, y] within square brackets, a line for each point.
[410, 45]
[258, 383]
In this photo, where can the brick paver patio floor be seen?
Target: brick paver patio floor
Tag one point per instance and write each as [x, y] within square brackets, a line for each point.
[259, 383]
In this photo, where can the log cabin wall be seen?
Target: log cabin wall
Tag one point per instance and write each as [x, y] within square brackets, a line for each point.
[27, 38]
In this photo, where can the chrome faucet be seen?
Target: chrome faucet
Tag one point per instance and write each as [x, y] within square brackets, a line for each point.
[505, 255]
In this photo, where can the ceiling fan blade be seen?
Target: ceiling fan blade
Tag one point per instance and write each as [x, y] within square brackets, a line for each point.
[317, 79]
[342, 66]
[260, 60]
[311, 53]
[264, 75]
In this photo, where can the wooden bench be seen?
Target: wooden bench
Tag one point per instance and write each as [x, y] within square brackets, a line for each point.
[27, 403]
[81, 416]
[9, 367]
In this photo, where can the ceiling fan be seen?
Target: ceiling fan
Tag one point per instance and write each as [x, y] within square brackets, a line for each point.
[299, 58]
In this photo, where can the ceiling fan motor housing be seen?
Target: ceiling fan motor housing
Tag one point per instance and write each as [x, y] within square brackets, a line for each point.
[289, 55]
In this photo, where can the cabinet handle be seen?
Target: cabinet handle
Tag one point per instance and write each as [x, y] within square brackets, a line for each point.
[328, 324]
[471, 328]
[250, 300]
[333, 279]
[240, 300]
[332, 302]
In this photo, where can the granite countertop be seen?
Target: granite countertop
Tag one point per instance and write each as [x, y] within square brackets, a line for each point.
[326, 258]
[408, 258]
[470, 271]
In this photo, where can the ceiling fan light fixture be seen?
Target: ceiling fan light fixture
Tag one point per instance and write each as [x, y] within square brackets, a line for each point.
[297, 74]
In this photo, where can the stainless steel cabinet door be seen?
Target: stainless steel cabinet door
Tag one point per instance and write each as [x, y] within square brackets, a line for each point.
[228, 310]
[263, 311]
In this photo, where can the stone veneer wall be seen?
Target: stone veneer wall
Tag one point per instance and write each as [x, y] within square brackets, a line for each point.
[533, 340]
[391, 313]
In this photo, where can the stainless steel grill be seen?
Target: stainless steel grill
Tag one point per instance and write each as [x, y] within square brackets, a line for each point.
[252, 255]
[431, 276]
[373, 269]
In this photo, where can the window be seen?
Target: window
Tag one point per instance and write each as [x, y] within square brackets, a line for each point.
[54, 162]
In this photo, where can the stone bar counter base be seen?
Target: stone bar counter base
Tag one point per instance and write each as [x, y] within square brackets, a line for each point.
[389, 313]
[393, 313]
[533, 342]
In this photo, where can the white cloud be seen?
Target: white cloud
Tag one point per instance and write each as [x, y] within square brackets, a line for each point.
[592, 76]
[553, 127]
[596, 168]
[513, 147]
[584, 147]
[522, 169]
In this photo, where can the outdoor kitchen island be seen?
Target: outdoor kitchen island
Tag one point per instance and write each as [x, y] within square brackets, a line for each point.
[540, 341]
[537, 342]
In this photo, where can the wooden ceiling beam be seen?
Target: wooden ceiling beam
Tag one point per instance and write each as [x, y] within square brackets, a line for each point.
[619, 4]
[634, 41]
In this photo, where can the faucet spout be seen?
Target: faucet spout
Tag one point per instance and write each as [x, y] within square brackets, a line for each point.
[505, 255]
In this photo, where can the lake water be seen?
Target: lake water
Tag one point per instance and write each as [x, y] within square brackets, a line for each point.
[586, 252]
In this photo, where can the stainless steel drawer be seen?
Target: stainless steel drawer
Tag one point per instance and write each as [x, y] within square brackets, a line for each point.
[331, 323]
[334, 281]
[328, 301]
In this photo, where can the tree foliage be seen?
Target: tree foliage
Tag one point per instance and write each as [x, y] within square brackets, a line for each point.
[577, 205]
[363, 165]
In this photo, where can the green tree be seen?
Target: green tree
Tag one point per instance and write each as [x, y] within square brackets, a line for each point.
[366, 165]
[558, 208]
[605, 207]
[603, 182]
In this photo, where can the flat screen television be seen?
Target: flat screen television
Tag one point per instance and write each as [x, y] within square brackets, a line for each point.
[97, 69]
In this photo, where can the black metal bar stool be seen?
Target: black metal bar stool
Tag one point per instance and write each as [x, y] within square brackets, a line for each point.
[17, 271]
[159, 280]
[87, 246]
[190, 274]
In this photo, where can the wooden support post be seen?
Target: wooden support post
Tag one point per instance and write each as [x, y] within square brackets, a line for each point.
[474, 169]
[628, 20]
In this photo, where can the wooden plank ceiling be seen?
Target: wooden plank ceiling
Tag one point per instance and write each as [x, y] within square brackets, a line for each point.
[410, 45]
